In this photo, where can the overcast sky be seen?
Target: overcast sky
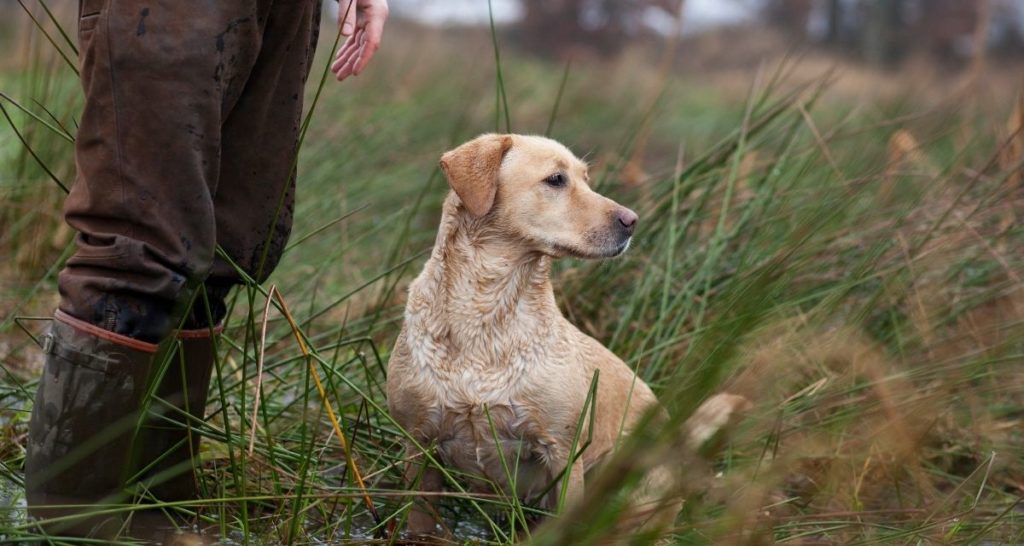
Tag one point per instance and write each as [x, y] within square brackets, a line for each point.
[699, 14]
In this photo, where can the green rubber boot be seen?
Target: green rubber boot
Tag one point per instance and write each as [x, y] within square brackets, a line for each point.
[81, 428]
[169, 439]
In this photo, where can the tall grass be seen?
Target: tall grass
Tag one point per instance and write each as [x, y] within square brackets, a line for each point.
[854, 270]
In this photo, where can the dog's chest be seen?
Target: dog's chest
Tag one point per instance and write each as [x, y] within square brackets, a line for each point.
[469, 391]
[491, 440]
[472, 362]
[482, 389]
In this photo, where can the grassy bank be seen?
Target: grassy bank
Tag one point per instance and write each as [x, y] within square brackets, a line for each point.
[853, 267]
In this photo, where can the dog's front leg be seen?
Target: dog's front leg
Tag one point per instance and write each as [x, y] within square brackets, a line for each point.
[423, 516]
[573, 490]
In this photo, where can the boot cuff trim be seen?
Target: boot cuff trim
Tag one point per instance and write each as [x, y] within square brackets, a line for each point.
[200, 333]
[94, 330]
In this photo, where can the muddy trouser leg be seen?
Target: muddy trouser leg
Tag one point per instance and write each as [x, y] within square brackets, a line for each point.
[255, 199]
[160, 78]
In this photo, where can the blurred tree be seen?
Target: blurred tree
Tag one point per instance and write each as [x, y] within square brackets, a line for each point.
[834, 21]
[885, 31]
[882, 31]
[564, 27]
[1007, 28]
[791, 15]
[947, 26]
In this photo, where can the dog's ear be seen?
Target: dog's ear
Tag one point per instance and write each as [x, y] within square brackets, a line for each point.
[472, 170]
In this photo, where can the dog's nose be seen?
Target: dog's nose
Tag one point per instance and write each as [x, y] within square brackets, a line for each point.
[627, 219]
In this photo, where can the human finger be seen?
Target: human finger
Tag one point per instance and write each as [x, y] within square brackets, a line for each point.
[349, 48]
[374, 33]
[346, 62]
[347, 16]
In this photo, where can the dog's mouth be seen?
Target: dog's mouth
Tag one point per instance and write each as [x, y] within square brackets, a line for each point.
[622, 248]
[593, 254]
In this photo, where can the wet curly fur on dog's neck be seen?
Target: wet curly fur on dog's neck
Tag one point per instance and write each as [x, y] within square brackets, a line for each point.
[479, 281]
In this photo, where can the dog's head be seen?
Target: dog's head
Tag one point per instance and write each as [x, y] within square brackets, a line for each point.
[535, 190]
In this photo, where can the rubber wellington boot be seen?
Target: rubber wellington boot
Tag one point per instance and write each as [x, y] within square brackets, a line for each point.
[169, 439]
[81, 428]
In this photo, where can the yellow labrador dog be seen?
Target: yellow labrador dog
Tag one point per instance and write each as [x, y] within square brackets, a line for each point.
[486, 368]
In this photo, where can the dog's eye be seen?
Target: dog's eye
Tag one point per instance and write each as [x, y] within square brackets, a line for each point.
[556, 180]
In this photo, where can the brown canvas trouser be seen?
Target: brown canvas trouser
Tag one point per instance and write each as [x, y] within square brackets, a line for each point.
[187, 141]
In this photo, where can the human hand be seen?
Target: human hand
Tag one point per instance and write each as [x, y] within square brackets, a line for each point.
[362, 22]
